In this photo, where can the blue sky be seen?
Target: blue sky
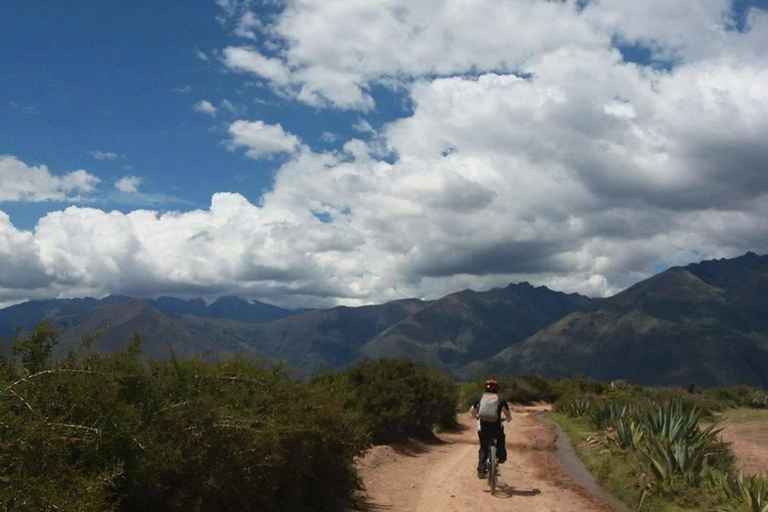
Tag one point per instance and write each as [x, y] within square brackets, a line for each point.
[352, 153]
[122, 78]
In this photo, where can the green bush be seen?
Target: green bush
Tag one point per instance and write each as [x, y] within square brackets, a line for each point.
[526, 389]
[111, 433]
[396, 398]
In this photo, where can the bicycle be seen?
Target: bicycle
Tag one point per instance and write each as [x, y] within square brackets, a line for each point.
[492, 465]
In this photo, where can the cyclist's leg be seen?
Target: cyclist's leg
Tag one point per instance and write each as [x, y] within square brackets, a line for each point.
[501, 447]
[483, 451]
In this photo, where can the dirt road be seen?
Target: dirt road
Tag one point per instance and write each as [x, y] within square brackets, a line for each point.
[440, 477]
[747, 432]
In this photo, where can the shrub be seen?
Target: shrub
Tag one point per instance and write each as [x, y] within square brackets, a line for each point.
[111, 433]
[396, 398]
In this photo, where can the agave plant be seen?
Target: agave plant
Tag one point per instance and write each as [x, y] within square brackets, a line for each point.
[672, 424]
[756, 400]
[684, 457]
[676, 445]
[629, 433]
[751, 493]
[606, 415]
[576, 408]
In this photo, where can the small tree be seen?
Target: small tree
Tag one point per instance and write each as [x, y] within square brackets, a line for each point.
[35, 348]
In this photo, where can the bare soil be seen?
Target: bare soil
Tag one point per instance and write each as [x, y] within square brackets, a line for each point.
[747, 431]
[440, 476]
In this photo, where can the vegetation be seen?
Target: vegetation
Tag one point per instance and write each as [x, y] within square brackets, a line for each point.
[525, 389]
[648, 445]
[118, 433]
[395, 398]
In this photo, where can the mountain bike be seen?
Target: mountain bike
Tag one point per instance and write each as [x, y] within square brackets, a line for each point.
[492, 465]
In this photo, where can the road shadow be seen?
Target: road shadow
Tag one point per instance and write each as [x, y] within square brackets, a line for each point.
[458, 428]
[505, 491]
[414, 447]
[364, 504]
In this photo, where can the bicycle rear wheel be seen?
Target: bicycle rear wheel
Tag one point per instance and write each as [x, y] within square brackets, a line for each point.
[493, 470]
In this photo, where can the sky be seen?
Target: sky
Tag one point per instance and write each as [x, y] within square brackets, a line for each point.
[310, 153]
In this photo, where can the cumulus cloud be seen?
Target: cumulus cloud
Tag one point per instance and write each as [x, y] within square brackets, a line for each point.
[205, 107]
[261, 139]
[128, 184]
[533, 151]
[21, 182]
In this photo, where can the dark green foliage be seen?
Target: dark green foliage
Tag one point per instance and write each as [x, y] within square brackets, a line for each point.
[606, 414]
[100, 433]
[396, 398]
[756, 399]
[35, 349]
[751, 493]
[575, 408]
[525, 389]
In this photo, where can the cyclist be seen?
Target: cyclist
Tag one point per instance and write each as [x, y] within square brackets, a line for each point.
[488, 410]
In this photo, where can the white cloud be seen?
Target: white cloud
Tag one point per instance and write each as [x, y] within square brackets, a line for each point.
[128, 184]
[333, 52]
[247, 25]
[261, 139]
[228, 106]
[20, 267]
[201, 55]
[328, 137]
[104, 155]
[533, 152]
[363, 126]
[250, 60]
[205, 107]
[21, 182]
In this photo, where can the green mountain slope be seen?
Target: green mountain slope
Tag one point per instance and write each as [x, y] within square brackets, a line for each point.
[468, 326]
[706, 323]
[309, 342]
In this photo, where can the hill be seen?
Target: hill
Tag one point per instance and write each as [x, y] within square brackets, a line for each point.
[28, 314]
[469, 326]
[114, 324]
[450, 332]
[233, 308]
[309, 342]
[706, 323]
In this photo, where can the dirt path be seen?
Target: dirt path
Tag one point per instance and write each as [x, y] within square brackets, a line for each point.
[747, 431]
[441, 476]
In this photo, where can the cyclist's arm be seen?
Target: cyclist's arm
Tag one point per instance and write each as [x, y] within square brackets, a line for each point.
[506, 413]
[473, 410]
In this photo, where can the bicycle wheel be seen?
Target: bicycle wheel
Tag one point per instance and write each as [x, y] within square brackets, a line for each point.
[493, 469]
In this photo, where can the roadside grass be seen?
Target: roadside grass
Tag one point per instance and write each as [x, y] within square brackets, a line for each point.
[759, 416]
[625, 475]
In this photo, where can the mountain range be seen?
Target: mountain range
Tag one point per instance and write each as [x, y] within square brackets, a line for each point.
[706, 323]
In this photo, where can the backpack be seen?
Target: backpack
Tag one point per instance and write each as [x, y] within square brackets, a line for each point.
[489, 407]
